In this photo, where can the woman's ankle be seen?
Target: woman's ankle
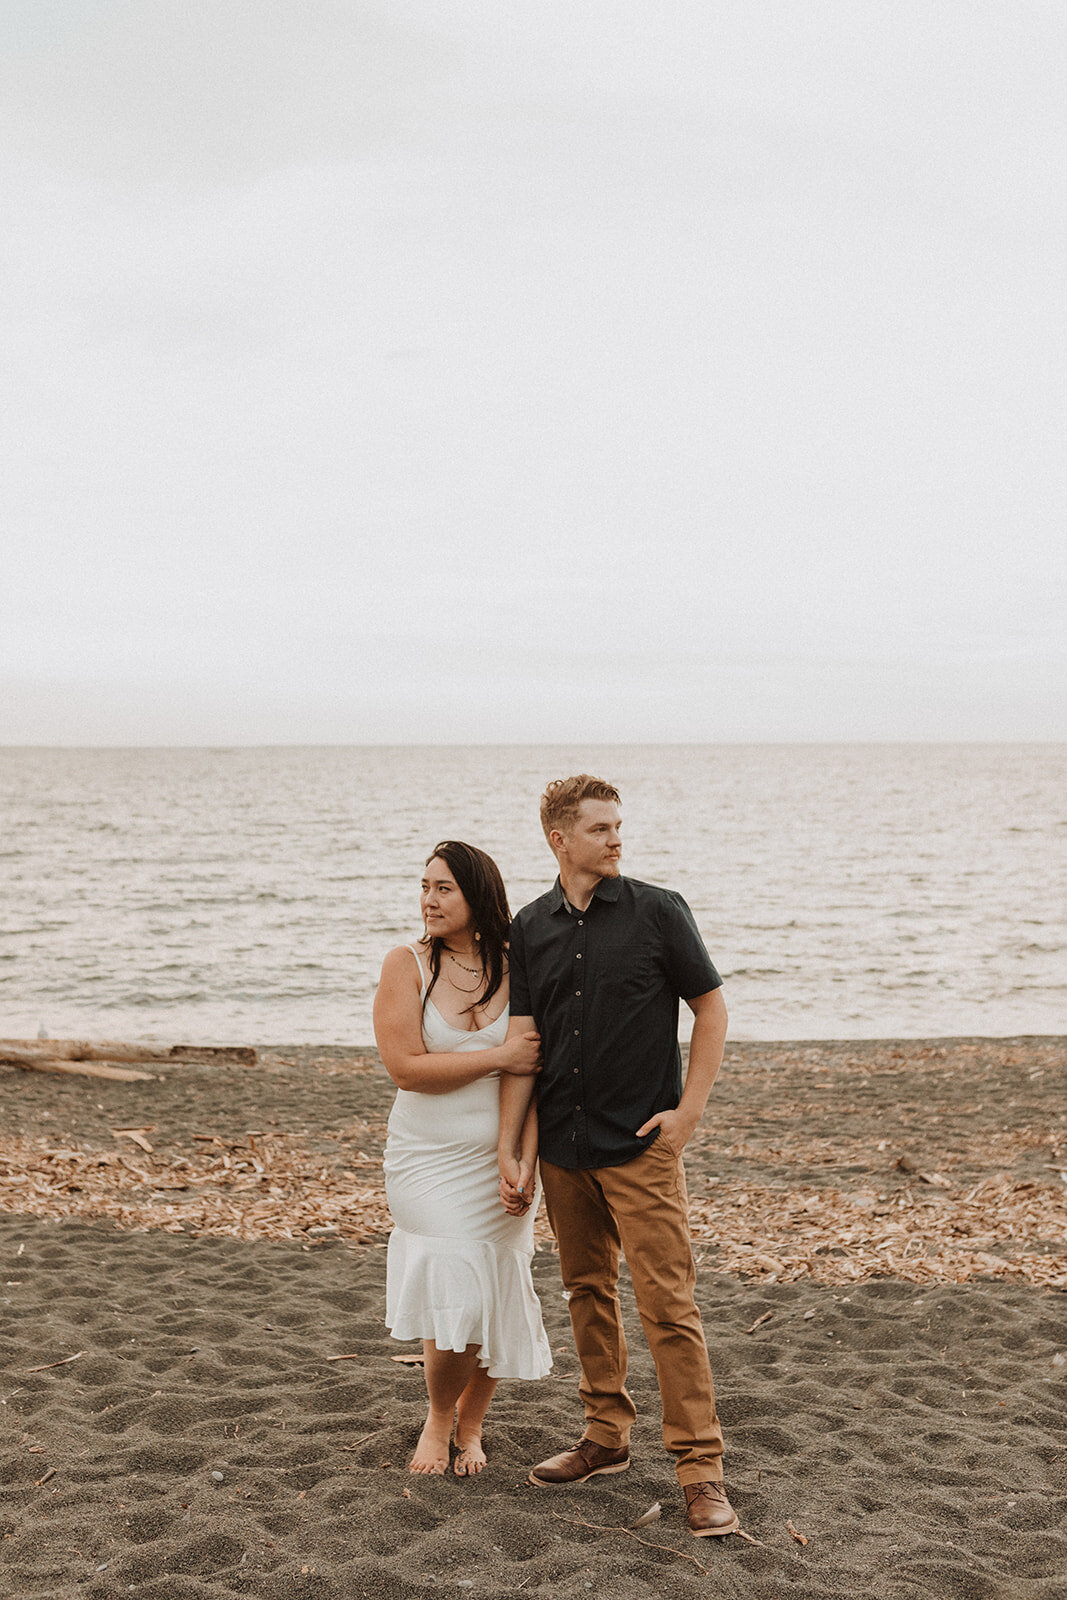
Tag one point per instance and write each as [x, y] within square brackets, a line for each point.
[440, 1420]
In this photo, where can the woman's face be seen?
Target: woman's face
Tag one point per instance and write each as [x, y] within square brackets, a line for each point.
[445, 912]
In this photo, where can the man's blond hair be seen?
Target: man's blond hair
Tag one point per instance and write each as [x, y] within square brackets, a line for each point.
[563, 796]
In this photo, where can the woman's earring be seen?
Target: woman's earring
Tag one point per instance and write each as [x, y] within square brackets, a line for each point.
[477, 938]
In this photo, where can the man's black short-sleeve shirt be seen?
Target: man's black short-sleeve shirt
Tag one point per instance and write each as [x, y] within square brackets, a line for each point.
[603, 986]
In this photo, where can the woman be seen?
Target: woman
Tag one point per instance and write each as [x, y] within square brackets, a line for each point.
[458, 1273]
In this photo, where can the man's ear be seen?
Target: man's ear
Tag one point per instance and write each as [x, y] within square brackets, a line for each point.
[556, 841]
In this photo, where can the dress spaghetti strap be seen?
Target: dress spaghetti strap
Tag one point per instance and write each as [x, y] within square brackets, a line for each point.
[422, 974]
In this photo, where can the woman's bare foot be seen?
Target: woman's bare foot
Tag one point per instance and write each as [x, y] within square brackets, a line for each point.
[431, 1452]
[470, 1457]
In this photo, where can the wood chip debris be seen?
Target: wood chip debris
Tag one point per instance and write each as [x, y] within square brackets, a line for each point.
[801, 1538]
[271, 1188]
[653, 1514]
[1005, 1227]
[891, 1208]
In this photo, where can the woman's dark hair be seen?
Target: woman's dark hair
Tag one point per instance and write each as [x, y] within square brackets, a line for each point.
[481, 885]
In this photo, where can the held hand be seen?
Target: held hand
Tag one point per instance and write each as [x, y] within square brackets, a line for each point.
[673, 1126]
[515, 1204]
[521, 1055]
[516, 1185]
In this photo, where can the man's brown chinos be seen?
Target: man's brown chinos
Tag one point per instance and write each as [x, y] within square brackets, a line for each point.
[641, 1209]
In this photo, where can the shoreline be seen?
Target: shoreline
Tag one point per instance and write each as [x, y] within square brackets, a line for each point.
[157, 1040]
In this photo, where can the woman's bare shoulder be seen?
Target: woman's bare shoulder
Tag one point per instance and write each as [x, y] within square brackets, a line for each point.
[401, 959]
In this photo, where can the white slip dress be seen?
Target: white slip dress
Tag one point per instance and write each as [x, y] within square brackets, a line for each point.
[458, 1266]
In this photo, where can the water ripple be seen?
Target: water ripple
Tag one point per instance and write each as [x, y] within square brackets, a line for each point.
[250, 894]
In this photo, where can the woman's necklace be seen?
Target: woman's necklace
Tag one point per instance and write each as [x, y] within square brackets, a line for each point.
[474, 972]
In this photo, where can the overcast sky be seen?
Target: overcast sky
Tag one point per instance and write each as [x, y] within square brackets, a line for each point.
[464, 371]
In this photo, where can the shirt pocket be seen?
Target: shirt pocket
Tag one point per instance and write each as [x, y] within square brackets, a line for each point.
[626, 969]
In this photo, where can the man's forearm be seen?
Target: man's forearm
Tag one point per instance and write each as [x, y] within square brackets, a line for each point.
[705, 1059]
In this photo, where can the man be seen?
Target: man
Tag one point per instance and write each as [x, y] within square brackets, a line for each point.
[598, 965]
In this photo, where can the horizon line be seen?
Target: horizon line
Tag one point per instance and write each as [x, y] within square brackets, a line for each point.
[557, 744]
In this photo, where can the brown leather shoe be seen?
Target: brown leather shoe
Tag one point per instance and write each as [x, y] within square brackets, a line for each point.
[708, 1511]
[586, 1459]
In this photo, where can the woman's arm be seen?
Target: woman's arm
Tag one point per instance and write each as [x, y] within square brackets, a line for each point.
[528, 1150]
[516, 1200]
[515, 1158]
[398, 1032]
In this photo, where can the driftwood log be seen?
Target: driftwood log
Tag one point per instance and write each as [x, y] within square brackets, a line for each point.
[116, 1050]
[97, 1059]
[81, 1069]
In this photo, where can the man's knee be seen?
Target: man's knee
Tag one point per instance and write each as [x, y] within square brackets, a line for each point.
[583, 1290]
[668, 1304]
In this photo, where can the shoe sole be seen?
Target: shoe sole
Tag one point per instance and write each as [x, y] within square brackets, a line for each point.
[571, 1483]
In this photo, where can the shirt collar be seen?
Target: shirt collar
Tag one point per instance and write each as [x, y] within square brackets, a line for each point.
[607, 889]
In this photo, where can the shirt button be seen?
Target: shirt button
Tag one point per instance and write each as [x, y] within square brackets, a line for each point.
[576, 1072]
[577, 1031]
[581, 924]
[578, 992]
[578, 957]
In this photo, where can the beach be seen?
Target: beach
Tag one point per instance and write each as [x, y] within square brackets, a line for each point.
[199, 1397]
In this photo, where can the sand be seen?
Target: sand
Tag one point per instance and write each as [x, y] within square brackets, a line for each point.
[900, 1405]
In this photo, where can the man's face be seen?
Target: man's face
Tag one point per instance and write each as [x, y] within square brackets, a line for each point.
[592, 843]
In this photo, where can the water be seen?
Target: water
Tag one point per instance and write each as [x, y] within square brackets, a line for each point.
[247, 895]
